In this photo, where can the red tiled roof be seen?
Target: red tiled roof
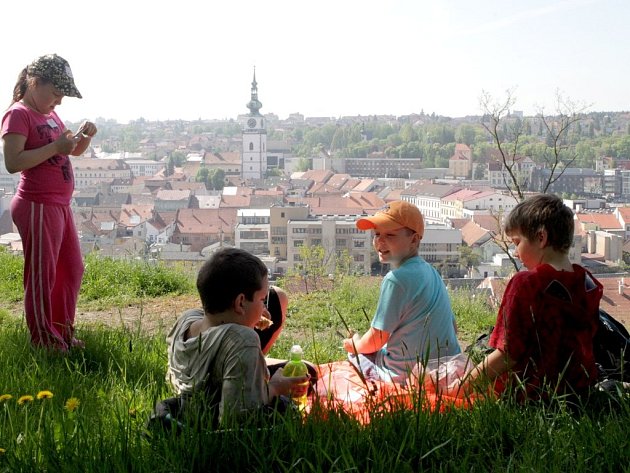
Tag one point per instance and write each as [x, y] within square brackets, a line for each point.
[142, 212]
[603, 221]
[319, 175]
[617, 305]
[624, 213]
[473, 234]
[235, 201]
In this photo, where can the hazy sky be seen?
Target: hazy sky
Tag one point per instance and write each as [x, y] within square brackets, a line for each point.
[190, 59]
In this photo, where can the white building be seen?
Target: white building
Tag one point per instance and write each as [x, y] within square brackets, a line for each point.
[440, 247]
[144, 167]
[90, 172]
[253, 230]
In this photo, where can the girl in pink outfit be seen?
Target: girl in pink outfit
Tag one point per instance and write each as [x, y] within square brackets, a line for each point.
[37, 144]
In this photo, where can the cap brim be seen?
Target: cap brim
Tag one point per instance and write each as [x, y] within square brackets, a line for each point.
[75, 93]
[381, 222]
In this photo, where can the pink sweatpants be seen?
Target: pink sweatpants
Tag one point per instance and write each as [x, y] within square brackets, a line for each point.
[53, 269]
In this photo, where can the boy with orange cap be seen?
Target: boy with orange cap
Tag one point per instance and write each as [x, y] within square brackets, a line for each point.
[413, 320]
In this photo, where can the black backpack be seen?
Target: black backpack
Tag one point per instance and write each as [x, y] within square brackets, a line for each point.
[611, 346]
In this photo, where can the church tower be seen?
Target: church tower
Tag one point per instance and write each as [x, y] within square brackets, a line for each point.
[254, 155]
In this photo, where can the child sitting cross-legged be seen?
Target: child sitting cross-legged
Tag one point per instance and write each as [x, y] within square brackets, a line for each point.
[543, 336]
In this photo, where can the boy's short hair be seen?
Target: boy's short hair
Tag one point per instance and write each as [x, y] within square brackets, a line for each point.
[543, 211]
[228, 273]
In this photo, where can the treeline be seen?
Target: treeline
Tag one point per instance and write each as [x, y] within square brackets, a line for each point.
[594, 136]
[428, 138]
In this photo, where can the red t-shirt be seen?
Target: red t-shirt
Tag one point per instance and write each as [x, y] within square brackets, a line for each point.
[50, 182]
[546, 325]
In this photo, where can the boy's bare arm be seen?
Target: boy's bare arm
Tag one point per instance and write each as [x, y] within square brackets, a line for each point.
[371, 341]
[490, 368]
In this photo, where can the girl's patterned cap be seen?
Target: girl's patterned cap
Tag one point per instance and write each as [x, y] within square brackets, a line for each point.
[57, 70]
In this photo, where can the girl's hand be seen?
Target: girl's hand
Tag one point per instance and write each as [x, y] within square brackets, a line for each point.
[86, 130]
[66, 143]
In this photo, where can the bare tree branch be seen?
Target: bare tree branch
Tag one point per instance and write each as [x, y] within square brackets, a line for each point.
[494, 115]
[507, 134]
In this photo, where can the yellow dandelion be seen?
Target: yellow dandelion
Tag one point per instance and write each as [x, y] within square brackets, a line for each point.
[25, 399]
[72, 404]
[5, 397]
[2, 451]
[44, 395]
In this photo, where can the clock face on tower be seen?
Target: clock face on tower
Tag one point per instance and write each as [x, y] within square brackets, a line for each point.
[251, 122]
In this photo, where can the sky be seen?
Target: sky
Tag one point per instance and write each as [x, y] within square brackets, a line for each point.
[194, 59]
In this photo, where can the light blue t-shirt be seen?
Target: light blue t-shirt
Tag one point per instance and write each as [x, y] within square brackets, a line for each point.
[415, 309]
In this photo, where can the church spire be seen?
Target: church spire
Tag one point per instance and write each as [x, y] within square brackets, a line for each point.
[254, 104]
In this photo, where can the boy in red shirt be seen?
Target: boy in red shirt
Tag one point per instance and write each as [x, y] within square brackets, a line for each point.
[548, 316]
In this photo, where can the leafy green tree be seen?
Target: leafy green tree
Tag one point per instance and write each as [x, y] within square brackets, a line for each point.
[622, 147]
[179, 157]
[407, 133]
[202, 176]
[170, 166]
[468, 258]
[480, 171]
[339, 140]
[465, 134]
[303, 164]
[216, 179]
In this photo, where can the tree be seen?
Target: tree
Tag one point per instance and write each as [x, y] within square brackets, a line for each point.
[407, 133]
[303, 164]
[170, 166]
[507, 133]
[202, 176]
[468, 258]
[216, 179]
[479, 172]
[465, 134]
[318, 265]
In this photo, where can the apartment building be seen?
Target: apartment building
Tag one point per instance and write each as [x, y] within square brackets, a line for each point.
[336, 234]
[90, 172]
[440, 247]
[428, 198]
[144, 167]
[377, 167]
[253, 230]
[279, 216]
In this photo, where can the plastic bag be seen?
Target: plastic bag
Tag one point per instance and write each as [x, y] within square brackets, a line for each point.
[441, 373]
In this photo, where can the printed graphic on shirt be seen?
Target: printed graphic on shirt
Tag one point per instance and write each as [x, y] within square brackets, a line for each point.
[45, 132]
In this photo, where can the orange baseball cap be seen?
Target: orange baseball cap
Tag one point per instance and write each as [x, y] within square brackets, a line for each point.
[395, 215]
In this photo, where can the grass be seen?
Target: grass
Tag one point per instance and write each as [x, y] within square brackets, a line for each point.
[119, 376]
